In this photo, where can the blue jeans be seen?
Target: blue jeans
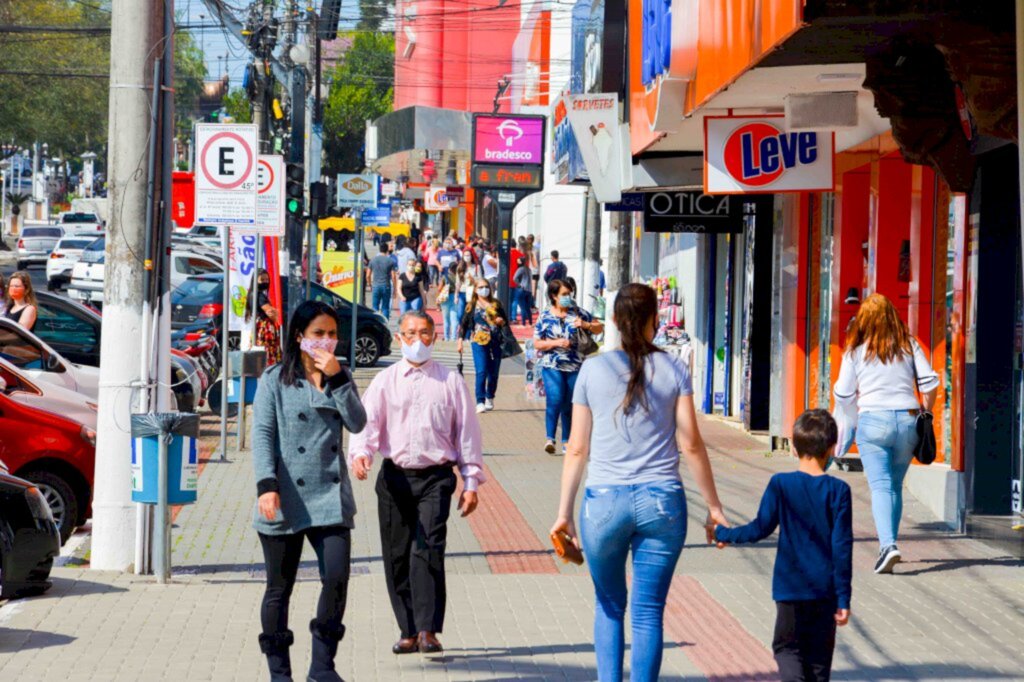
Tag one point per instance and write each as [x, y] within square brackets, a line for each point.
[449, 329]
[886, 440]
[558, 387]
[452, 316]
[650, 520]
[406, 306]
[521, 306]
[382, 299]
[487, 363]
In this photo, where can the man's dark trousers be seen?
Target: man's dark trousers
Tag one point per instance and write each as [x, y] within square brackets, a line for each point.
[805, 637]
[413, 506]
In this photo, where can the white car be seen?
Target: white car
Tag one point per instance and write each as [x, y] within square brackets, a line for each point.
[78, 222]
[40, 362]
[46, 396]
[63, 258]
[87, 275]
[35, 244]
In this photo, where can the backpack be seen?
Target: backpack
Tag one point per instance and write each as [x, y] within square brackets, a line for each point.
[556, 270]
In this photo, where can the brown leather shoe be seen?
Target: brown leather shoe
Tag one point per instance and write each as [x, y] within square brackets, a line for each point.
[429, 644]
[406, 645]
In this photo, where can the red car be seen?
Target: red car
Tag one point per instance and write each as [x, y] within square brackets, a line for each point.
[56, 454]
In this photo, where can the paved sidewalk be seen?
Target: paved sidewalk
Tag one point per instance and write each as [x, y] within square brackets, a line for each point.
[954, 611]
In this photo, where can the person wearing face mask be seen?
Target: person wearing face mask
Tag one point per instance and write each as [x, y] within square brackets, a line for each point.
[419, 418]
[447, 255]
[21, 300]
[267, 333]
[301, 406]
[481, 325]
[411, 290]
[557, 341]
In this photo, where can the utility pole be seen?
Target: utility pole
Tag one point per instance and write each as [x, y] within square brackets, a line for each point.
[591, 253]
[136, 31]
[620, 249]
[294, 228]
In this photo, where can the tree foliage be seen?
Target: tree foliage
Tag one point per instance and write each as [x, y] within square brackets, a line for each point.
[362, 89]
[56, 85]
[373, 13]
[236, 103]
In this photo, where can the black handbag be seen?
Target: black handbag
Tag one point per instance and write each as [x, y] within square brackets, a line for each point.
[585, 343]
[509, 346]
[925, 450]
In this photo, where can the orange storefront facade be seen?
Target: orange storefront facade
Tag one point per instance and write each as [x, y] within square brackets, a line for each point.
[942, 254]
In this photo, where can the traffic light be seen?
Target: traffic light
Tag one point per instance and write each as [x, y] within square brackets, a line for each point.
[317, 200]
[294, 176]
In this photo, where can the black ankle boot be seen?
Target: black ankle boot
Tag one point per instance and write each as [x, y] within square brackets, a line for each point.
[275, 646]
[325, 647]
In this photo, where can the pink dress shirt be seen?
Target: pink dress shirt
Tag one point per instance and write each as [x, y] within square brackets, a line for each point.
[419, 417]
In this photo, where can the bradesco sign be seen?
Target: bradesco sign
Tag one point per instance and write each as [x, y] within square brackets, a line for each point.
[508, 139]
[747, 155]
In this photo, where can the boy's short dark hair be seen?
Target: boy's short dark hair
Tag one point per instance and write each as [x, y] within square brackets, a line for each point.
[815, 433]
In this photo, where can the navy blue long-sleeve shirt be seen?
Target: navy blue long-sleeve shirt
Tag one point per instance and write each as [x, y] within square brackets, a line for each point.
[815, 552]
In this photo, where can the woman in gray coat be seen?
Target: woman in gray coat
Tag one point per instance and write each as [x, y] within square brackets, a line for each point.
[303, 485]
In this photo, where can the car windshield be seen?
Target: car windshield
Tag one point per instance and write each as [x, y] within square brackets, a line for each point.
[199, 288]
[44, 232]
[79, 218]
[74, 243]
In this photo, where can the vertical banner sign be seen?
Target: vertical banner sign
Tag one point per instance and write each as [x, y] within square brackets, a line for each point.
[339, 271]
[242, 267]
[270, 195]
[226, 174]
[595, 124]
[753, 154]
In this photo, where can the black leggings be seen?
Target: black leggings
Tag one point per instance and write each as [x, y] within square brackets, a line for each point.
[333, 546]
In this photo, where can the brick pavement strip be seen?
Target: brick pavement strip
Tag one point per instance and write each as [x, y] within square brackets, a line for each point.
[955, 610]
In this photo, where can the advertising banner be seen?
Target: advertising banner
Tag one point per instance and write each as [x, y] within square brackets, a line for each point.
[436, 199]
[753, 154]
[595, 122]
[358, 191]
[508, 139]
[677, 211]
[339, 272]
[242, 266]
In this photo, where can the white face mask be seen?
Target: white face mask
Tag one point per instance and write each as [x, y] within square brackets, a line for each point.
[483, 292]
[417, 351]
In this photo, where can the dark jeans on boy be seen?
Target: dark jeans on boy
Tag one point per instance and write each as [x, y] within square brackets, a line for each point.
[805, 637]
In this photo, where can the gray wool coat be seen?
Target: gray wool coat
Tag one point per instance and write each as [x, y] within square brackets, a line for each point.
[296, 451]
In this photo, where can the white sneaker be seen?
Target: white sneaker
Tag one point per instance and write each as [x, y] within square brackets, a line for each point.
[481, 408]
[488, 404]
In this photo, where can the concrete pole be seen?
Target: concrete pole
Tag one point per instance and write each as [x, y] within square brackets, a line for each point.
[620, 249]
[136, 27]
[588, 288]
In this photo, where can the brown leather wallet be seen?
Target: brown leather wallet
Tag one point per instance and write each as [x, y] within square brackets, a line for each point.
[566, 549]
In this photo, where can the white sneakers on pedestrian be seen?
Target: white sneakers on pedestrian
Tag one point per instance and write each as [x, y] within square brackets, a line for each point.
[480, 408]
[488, 404]
[887, 559]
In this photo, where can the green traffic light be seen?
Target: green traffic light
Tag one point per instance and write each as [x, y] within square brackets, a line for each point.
[293, 205]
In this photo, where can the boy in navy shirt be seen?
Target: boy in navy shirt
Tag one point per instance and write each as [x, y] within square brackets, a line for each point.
[813, 565]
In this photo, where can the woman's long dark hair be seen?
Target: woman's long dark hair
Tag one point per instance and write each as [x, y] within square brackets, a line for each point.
[636, 305]
[291, 363]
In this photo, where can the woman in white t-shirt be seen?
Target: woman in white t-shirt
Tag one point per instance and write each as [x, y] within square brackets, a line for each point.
[877, 382]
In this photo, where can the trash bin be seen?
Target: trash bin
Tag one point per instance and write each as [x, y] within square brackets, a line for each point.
[182, 456]
[251, 363]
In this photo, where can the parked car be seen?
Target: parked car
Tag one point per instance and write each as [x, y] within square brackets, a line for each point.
[87, 275]
[57, 454]
[80, 222]
[40, 362]
[206, 234]
[47, 396]
[29, 538]
[36, 243]
[63, 258]
[70, 328]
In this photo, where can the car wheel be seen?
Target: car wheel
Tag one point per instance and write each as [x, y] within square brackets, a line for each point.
[367, 350]
[61, 498]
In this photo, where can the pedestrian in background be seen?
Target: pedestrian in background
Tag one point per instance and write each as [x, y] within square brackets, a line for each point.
[420, 420]
[447, 299]
[3, 298]
[411, 291]
[433, 262]
[301, 407]
[489, 267]
[383, 271]
[20, 303]
[882, 371]
[556, 269]
[403, 254]
[522, 309]
[633, 414]
[811, 584]
[556, 338]
[267, 333]
[481, 324]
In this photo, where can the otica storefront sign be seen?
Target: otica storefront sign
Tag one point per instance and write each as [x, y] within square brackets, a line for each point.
[747, 155]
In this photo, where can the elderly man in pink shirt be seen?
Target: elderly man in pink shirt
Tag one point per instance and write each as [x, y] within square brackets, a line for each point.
[420, 418]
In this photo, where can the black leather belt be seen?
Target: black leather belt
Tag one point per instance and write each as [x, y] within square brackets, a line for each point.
[425, 471]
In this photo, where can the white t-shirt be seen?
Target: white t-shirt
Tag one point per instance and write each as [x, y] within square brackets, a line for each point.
[872, 385]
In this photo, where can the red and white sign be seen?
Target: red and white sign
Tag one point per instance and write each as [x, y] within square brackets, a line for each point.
[751, 155]
[226, 174]
[436, 199]
[595, 123]
[270, 195]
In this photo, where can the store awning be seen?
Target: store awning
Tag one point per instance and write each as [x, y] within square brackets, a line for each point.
[336, 223]
[421, 145]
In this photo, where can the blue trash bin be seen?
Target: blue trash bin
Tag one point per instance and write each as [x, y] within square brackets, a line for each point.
[182, 457]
